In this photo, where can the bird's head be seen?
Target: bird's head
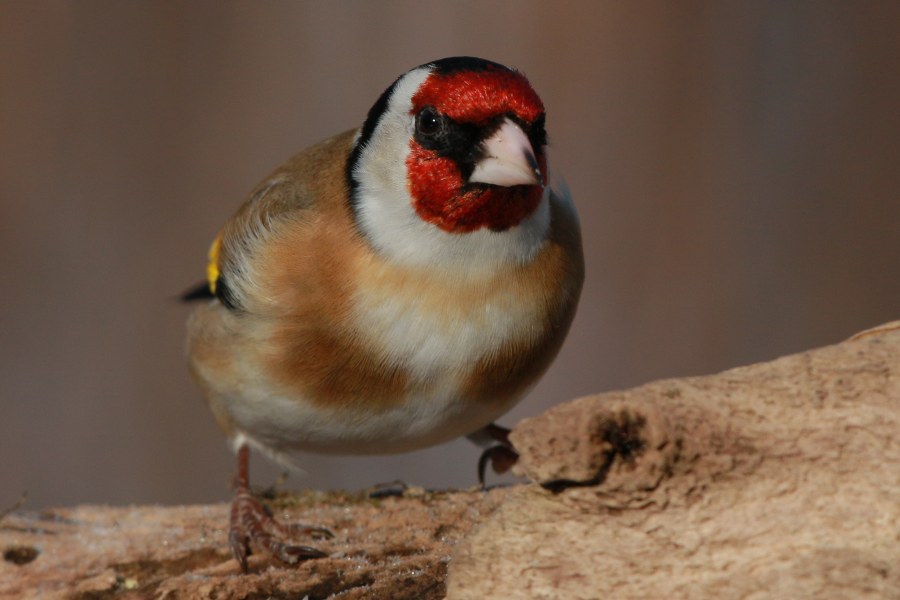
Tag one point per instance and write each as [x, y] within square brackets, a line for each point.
[451, 163]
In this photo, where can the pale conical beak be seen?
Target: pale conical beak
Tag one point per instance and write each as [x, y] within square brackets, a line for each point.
[509, 159]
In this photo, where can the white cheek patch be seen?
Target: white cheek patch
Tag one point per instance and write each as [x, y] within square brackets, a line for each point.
[383, 197]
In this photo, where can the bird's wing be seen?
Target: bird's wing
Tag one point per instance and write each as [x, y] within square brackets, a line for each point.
[289, 201]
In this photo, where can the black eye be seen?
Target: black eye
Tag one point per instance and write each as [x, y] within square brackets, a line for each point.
[428, 122]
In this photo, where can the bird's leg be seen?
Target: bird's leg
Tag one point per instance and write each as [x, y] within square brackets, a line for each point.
[252, 522]
[497, 450]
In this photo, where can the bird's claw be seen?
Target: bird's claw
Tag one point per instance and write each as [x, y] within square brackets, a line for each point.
[502, 459]
[252, 522]
[498, 451]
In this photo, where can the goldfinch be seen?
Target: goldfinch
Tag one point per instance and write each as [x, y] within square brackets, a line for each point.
[390, 288]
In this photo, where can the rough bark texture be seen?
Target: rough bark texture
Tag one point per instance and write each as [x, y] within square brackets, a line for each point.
[394, 548]
[775, 480]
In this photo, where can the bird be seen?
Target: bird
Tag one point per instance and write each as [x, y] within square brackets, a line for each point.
[394, 287]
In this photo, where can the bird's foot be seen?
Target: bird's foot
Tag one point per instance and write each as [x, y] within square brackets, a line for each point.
[252, 522]
[502, 456]
[502, 459]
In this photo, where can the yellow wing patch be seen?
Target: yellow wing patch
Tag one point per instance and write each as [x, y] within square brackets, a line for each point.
[212, 267]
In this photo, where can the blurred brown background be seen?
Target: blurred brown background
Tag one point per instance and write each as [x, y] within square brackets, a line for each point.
[735, 166]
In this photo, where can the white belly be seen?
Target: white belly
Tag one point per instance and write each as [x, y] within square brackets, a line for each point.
[282, 426]
[437, 341]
